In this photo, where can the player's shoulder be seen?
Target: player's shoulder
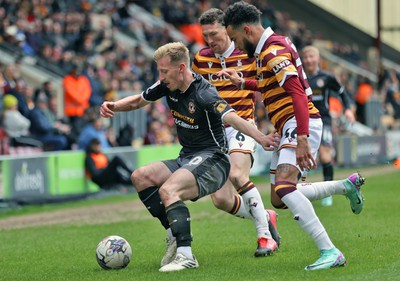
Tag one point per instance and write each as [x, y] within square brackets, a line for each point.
[276, 45]
[205, 52]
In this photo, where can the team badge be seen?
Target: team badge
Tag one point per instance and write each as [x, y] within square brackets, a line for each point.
[239, 63]
[192, 107]
[320, 83]
[210, 63]
[220, 106]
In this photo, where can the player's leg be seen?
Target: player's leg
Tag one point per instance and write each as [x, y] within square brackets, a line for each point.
[226, 200]
[239, 176]
[303, 212]
[349, 187]
[325, 157]
[202, 175]
[147, 181]
[248, 203]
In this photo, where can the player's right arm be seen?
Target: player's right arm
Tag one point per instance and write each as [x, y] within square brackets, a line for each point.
[240, 83]
[108, 108]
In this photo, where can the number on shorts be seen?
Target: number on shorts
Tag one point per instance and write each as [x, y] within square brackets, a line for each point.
[291, 132]
[240, 136]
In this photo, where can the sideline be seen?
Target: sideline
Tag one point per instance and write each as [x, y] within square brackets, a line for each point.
[122, 211]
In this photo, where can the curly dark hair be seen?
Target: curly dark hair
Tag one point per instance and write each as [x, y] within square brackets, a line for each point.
[211, 16]
[241, 13]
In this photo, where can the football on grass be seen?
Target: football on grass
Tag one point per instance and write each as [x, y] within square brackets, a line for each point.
[113, 252]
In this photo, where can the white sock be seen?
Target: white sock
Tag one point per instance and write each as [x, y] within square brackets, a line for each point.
[186, 251]
[255, 207]
[170, 235]
[242, 212]
[305, 216]
[318, 190]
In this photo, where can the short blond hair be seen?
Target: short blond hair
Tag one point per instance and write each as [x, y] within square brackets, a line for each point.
[310, 48]
[177, 51]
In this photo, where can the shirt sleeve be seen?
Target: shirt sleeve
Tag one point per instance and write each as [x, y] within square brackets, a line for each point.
[155, 92]
[300, 104]
[333, 84]
[211, 101]
[282, 66]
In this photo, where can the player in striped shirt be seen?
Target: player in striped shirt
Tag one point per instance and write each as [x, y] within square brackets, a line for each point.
[287, 97]
[220, 54]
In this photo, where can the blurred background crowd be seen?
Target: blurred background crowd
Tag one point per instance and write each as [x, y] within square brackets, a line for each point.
[102, 50]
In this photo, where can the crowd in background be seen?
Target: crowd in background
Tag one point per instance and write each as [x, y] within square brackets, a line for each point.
[78, 39]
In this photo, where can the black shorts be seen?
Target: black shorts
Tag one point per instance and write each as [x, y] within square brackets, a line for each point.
[211, 170]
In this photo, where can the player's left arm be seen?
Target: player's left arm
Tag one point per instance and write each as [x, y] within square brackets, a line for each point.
[293, 87]
[268, 142]
[344, 97]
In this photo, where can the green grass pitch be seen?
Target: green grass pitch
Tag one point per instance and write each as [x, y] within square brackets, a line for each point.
[223, 244]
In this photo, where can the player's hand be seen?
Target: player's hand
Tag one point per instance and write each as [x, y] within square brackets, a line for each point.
[232, 75]
[271, 141]
[348, 113]
[107, 109]
[304, 158]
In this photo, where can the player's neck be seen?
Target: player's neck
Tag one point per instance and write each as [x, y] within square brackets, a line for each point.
[187, 81]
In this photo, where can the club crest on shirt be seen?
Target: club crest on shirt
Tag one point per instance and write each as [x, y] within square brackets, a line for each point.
[210, 63]
[320, 83]
[192, 107]
[239, 63]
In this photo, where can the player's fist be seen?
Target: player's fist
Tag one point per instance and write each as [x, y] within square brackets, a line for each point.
[107, 109]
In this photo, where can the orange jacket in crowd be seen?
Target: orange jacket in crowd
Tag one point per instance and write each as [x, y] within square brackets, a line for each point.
[95, 163]
[77, 92]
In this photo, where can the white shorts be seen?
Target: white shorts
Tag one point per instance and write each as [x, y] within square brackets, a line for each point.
[239, 142]
[286, 152]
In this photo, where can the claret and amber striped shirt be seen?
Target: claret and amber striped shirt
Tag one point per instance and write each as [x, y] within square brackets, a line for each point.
[277, 60]
[207, 64]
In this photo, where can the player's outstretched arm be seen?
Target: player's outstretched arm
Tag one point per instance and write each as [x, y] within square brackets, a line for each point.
[232, 75]
[239, 82]
[268, 142]
[108, 108]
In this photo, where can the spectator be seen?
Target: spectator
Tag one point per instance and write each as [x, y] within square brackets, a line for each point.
[77, 92]
[42, 128]
[24, 104]
[363, 95]
[47, 88]
[98, 92]
[94, 129]
[158, 133]
[103, 172]
[16, 125]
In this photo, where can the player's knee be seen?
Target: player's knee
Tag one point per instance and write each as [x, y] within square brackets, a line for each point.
[219, 201]
[141, 179]
[236, 177]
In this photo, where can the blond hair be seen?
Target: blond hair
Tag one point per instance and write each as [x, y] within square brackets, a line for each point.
[177, 51]
[310, 48]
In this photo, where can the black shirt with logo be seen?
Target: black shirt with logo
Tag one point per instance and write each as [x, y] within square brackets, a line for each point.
[197, 113]
[324, 85]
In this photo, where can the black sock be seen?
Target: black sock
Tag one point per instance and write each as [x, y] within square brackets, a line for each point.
[151, 199]
[327, 170]
[179, 221]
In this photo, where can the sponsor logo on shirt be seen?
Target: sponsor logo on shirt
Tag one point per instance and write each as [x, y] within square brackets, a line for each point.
[280, 66]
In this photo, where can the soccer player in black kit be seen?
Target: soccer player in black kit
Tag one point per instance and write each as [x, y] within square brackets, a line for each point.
[323, 85]
[202, 166]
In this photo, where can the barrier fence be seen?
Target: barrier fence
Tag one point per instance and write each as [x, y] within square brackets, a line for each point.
[52, 176]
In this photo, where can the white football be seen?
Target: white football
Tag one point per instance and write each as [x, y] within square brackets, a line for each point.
[113, 252]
